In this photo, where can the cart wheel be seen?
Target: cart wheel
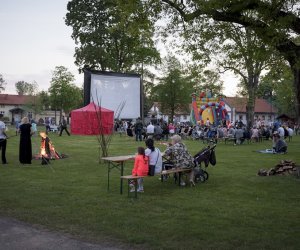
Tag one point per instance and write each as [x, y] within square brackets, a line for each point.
[206, 175]
[200, 178]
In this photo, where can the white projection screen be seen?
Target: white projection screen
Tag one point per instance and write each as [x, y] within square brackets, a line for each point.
[114, 89]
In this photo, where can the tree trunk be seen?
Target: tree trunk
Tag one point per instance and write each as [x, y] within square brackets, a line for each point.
[250, 106]
[296, 73]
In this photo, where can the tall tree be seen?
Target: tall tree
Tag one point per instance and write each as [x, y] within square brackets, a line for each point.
[111, 34]
[34, 103]
[2, 83]
[45, 100]
[245, 55]
[276, 23]
[64, 95]
[277, 87]
[25, 88]
[174, 90]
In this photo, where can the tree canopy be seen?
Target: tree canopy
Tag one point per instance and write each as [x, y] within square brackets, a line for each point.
[174, 90]
[64, 95]
[276, 23]
[25, 88]
[111, 34]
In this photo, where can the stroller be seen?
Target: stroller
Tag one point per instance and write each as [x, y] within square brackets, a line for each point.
[206, 155]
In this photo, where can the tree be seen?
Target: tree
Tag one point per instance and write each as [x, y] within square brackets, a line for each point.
[34, 103]
[174, 90]
[206, 81]
[277, 87]
[111, 34]
[64, 95]
[25, 88]
[245, 55]
[276, 23]
[45, 100]
[2, 83]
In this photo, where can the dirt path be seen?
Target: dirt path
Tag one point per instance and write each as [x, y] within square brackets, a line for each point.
[16, 235]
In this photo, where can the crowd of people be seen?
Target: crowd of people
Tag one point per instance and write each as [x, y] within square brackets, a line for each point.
[238, 130]
[276, 132]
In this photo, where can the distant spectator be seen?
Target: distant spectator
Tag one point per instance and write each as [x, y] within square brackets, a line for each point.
[138, 127]
[280, 144]
[33, 127]
[281, 132]
[150, 130]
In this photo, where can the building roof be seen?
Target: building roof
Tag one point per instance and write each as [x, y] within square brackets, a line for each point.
[239, 103]
[6, 99]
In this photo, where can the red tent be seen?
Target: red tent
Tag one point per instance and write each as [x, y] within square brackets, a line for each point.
[87, 120]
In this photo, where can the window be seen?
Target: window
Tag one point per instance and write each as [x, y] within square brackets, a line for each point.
[2, 113]
[2, 106]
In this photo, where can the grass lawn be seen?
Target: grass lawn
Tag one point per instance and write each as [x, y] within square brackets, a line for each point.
[235, 209]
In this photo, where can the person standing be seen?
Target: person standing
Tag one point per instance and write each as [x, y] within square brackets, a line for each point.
[47, 124]
[63, 126]
[25, 149]
[138, 127]
[3, 140]
[150, 130]
[140, 168]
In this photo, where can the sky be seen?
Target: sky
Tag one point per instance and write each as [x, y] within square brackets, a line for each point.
[34, 40]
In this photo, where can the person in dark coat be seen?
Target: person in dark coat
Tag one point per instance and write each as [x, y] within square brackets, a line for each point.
[63, 126]
[25, 151]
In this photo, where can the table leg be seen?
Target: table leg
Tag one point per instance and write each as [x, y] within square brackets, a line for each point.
[121, 181]
[108, 170]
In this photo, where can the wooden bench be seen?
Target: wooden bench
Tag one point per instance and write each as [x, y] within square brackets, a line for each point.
[130, 178]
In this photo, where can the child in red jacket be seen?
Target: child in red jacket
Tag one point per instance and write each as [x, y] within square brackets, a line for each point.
[140, 168]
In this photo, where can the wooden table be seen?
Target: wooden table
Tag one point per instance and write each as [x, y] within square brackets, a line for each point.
[119, 163]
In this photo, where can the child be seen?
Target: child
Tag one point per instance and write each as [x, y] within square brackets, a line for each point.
[140, 168]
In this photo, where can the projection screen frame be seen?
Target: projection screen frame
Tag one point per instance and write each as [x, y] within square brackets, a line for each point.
[87, 85]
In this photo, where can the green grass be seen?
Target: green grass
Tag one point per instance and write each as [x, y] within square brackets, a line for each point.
[235, 209]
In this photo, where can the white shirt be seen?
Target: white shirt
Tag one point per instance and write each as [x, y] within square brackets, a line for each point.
[281, 131]
[2, 129]
[291, 131]
[155, 158]
[150, 129]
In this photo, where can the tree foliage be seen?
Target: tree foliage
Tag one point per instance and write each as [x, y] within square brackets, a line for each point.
[2, 83]
[276, 23]
[25, 88]
[111, 34]
[64, 95]
[277, 87]
[174, 90]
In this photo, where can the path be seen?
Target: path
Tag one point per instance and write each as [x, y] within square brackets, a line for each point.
[16, 235]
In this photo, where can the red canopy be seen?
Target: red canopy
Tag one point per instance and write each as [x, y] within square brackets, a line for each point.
[88, 120]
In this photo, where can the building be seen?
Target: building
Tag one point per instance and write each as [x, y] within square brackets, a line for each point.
[15, 107]
[264, 111]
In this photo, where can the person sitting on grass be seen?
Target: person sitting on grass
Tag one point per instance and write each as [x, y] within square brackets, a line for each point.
[279, 145]
[180, 157]
[140, 168]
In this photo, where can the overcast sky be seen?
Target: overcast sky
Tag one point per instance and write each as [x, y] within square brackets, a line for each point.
[34, 39]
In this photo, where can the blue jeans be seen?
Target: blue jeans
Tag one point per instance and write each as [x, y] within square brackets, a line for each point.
[138, 135]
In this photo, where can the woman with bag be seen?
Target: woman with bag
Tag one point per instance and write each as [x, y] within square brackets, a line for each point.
[155, 158]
